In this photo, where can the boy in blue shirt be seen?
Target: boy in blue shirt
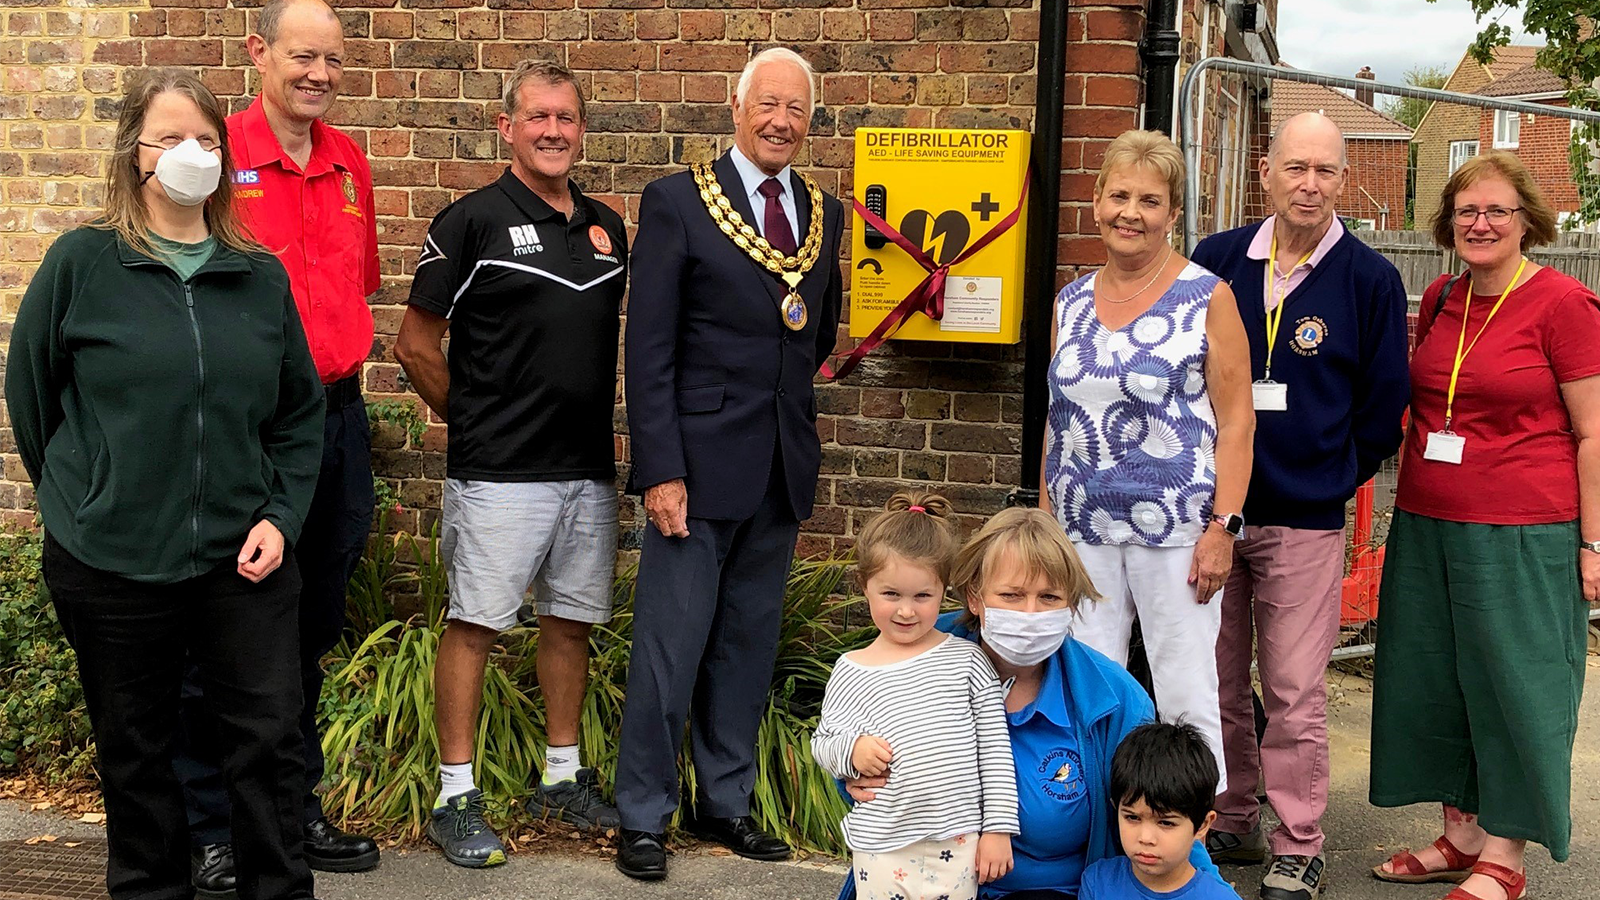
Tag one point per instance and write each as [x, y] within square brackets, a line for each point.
[1163, 777]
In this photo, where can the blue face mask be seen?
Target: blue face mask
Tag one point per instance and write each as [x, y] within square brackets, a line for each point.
[1025, 639]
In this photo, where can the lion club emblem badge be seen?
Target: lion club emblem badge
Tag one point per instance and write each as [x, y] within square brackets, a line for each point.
[599, 238]
[1309, 333]
[349, 189]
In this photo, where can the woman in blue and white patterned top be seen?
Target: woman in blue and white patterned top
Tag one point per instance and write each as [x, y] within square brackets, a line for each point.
[1148, 448]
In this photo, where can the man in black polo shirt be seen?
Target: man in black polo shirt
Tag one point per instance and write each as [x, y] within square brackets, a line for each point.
[527, 275]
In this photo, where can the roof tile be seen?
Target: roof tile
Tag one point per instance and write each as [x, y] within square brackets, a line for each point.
[1290, 98]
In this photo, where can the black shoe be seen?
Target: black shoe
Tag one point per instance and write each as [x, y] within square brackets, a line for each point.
[642, 855]
[460, 831]
[328, 849]
[213, 872]
[741, 835]
[577, 802]
[1248, 849]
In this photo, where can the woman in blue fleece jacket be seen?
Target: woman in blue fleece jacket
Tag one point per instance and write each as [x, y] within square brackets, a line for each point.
[1067, 707]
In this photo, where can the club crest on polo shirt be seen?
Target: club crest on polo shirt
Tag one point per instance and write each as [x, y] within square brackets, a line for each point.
[1309, 333]
[1061, 775]
[524, 239]
[602, 244]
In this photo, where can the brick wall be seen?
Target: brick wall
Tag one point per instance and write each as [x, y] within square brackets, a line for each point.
[1377, 180]
[419, 93]
[1544, 146]
[1233, 125]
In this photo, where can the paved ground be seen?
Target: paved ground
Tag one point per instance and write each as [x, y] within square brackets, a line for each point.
[1361, 837]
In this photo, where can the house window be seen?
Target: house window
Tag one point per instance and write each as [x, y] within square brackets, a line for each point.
[1460, 152]
[1507, 129]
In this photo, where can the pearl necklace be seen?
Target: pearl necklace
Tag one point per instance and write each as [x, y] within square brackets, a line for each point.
[1157, 274]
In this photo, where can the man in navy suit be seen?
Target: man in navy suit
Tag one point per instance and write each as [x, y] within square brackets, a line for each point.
[720, 355]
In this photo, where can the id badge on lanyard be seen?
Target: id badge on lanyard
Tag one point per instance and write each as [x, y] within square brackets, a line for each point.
[1267, 395]
[1444, 445]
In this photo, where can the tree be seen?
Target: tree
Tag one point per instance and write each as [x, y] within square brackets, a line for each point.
[1572, 52]
[1410, 110]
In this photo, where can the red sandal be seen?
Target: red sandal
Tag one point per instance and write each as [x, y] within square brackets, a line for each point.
[1410, 870]
[1515, 883]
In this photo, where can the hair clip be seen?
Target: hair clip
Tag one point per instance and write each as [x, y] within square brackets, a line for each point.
[915, 509]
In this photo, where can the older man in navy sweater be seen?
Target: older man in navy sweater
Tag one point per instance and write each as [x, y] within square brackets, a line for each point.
[1326, 317]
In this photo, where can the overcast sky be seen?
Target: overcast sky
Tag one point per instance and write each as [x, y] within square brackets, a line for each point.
[1391, 36]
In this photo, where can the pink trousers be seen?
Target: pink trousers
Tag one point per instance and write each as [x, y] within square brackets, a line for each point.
[1284, 593]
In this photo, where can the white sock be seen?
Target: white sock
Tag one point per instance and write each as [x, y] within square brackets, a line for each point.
[453, 780]
[560, 764]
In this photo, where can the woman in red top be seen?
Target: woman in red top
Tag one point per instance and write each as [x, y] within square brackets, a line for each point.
[1483, 613]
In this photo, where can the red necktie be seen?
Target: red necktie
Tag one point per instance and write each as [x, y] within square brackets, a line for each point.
[776, 225]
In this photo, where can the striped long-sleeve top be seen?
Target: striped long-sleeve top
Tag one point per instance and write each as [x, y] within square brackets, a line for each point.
[942, 713]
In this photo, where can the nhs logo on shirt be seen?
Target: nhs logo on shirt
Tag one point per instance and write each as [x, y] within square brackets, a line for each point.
[524, 239]
[246, 176]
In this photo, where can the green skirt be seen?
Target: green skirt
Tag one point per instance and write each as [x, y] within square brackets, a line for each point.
[1480, 660]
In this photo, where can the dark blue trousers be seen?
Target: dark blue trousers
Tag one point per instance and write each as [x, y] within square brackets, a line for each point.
[330, 547]
[707, 612]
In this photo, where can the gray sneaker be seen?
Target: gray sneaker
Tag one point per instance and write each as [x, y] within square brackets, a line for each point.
[576, 802]
[1239, 849]
[1293, 878]
[460, 831]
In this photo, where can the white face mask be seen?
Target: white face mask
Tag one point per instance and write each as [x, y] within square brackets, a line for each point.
[188, 173]
[1024, 639]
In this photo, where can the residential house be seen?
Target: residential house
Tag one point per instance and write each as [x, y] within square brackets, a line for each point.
[1451, 133]
[1232, 116]
[1544, 143]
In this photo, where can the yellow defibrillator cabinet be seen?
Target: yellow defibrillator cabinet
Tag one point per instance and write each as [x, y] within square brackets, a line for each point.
[943, 190]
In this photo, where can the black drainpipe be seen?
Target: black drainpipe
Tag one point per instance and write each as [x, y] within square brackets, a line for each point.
[1160, 51]
[1044, 217]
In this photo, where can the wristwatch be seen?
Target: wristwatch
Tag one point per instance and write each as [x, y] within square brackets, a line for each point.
[1591, 546]
[1234, 525]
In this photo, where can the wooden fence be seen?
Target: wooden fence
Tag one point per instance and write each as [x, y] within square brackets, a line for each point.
[1420, 261]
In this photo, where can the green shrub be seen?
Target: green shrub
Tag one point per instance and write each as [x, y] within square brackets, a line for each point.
[44, 726]
[378, 707]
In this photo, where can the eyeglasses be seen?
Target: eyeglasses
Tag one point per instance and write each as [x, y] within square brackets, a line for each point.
[1467, 216]
[207, 143]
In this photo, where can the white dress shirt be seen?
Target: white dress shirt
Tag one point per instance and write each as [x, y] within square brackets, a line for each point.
[753, 177]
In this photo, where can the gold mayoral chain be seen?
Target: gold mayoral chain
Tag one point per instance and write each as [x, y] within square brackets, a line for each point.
[790, 268]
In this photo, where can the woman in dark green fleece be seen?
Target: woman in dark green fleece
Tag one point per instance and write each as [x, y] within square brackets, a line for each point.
[167, 410]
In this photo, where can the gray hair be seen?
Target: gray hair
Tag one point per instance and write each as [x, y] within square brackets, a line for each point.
[546, 71]
[271, 17]
[772, 55]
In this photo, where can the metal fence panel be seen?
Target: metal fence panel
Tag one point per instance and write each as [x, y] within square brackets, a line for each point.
[1224, 191]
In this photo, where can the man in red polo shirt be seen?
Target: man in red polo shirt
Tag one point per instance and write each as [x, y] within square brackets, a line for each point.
[305, 191]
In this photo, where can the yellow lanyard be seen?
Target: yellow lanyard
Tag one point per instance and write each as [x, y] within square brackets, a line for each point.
[1461, 340]
[1275, 313]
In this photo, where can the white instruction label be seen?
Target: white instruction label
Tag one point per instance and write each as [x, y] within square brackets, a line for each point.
[972, 303]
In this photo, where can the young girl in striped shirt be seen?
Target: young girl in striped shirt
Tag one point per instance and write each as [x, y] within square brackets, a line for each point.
[926, 710]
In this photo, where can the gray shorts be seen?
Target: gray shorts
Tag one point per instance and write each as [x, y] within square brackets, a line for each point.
[499, 538]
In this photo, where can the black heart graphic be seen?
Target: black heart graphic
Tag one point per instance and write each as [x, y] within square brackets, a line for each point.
[942, 238]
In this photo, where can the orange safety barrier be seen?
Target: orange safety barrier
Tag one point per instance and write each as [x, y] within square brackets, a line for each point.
[1360, 593]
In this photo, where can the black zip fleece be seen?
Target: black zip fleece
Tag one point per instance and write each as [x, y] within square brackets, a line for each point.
[160, 420]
